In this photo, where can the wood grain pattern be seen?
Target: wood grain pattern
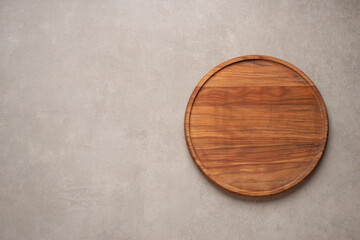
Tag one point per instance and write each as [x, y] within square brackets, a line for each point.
[256, 125]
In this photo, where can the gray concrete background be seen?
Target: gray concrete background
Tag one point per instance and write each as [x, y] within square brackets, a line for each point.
[92, 100]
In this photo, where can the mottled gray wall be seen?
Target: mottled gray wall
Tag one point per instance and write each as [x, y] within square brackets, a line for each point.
[92, 100]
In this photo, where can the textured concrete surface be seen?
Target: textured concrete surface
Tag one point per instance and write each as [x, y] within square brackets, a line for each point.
[92, 100]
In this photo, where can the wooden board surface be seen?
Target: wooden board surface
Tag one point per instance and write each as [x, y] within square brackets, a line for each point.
[256, 125]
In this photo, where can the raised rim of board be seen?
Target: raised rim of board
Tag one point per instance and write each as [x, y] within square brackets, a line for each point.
[242, 191]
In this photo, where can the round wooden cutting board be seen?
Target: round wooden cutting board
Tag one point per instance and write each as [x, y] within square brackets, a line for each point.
[256, 125]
